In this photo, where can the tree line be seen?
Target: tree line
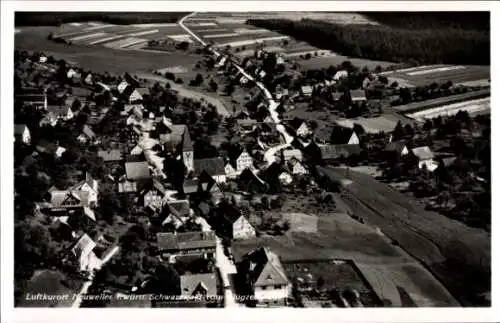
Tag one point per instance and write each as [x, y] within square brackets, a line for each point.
[121, 18]
[397, 44]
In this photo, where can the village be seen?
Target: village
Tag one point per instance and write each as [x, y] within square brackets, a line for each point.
[133, 190]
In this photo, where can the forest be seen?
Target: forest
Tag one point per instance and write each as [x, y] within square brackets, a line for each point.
[477, 20]
[443, 45]
[120, 18]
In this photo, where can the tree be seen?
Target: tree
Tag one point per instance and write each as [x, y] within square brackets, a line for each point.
[358, 129]
[168, 280]
[398, 131]
[213, 85]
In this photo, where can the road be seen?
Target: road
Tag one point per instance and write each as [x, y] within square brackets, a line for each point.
[269, 155]
[88, 283]
[188, 93]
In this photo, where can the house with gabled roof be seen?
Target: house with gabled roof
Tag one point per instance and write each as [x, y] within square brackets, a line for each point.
[83, 252]
[151, 195]
[90, 185]
[61, 112]
[111, 155]
[425, 158]
[296, 166]
[306, 90]
[288, 154]
[299, 126]
[87, 135]
[239, 159]
[232, 223]
[22, 134]
[397, 147]
[50, 148]
[342, 74]
[266, 276]
[246, 124]
[203, 286]
[137, 170]
[213, 166]
[249, 181]
[179, 143]
[198, 243]
[177, 213]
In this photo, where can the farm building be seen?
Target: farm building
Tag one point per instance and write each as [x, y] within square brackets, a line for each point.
[425, 158]
[22, 134]
[202, 244]
[213, 166]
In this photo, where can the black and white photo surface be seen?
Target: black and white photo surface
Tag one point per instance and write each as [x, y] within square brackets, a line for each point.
[266, 159]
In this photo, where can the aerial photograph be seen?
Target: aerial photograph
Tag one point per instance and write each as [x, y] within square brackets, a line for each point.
[252, 159]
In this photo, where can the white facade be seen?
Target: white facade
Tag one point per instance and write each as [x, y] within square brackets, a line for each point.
[122, 86]
[430, 164]
[230, 171]
[242, 229]
[354, 140]
[93, 191]
[404, 151]
[219, 178]
[135, 96]
[26, 137]
[285, 178]
[188, 159]
[298, 168]
[71, 73]
[272, 293]
[340, 75]
[244, 161]
[152, 198]
[303, 130]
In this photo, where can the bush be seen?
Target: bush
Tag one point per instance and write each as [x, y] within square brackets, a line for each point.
[179, 81]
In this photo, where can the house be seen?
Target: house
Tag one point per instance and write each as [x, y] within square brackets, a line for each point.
[32, 97]
[296, 166]
[83, 252]
[239, 160]
[42, 59]
[232, 223]
[342, 74]
[90, 185]
[331, 152]
[280, 60]
[201, 244]
[201, 288]
[135, 96]
[111, 155]
[246, 124]
[178, 212]
[137, 170]
[190, 186]
[221, 62]
[207, 185]
[425, 158]
[397, 147]
[151, 195]
[132, 108]
[357, 96]
[71, 73]
[213, 166]
[306, 90]
[22, 134]
[353, 139]
[179, 143]
[447, 161]
[285, 178]
[61, 112]
[248, 181]
[88, 79]
[126, 186]
[87, 135]
[266, 276]
[44, 147]
[122, 86]
[299, 126]
[243, 80]
[288, 154]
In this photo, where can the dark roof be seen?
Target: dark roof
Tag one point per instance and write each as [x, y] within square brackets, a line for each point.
[186, 240]
[111, 155]
[246, 122]
[448, 161]
[358, 94]
[229, 212]
[234, 153]
[142, 90]
[19, 129]
[213, 166]
[190, 186]
[295, 123]
[204, 208]
[396, 146]
[190, 284]
[58, 110]
[423, 153]
[337, 151]
[264, 268]
[179, 208]
[137, 170]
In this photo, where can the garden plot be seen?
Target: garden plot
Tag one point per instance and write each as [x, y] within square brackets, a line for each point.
[427, 74]
[244, 40]
[473, 106]
[87, 37]
[124, 43]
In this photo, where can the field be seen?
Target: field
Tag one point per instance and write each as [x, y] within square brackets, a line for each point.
[325, 62]
[301, 222]
[452, 251]
[473, 107]
[385, 123]
[341, 237]
[424, 75]
[101, 59]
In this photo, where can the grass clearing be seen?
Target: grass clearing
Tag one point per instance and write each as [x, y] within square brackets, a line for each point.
[301, 222]
[325, 62]
[385, 122]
